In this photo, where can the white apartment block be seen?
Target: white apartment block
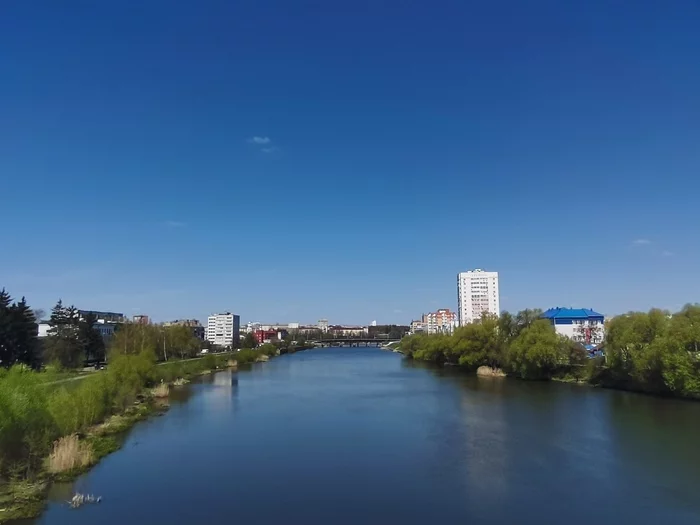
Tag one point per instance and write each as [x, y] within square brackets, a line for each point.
[477, 293]
[224, 330]
[417, 327]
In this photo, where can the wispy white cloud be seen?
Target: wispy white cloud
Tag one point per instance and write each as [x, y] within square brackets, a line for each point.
[397, 311]
[667, 253]
[259, 140]
[641, 242]
[174, 224]
[269, 150]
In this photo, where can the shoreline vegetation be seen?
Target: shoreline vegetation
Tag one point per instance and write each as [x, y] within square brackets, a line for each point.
[655, 352]
[60, 412]
[56, 430]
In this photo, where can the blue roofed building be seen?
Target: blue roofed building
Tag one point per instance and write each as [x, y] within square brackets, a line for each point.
[580, 324]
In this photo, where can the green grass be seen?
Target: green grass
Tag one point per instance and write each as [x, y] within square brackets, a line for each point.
[22, 499]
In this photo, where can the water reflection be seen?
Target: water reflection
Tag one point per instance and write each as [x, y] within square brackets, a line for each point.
[658, 440]
[486, 440]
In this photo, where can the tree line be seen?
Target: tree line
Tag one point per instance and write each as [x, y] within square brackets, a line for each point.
[656, 351]
[18, 333]
[522, 344]
[73, 340]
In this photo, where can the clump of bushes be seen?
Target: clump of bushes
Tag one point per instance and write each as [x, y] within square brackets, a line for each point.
[35, 414]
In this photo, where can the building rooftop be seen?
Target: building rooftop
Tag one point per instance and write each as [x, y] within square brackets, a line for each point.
[571, 313]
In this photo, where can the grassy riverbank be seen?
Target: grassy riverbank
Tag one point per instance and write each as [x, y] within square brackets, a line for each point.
[52, 431]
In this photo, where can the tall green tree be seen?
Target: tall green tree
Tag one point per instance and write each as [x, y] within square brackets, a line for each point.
[507, 327]
[249, 341]
[134, 339]
[535, 353]
[478, 344]
[635, 346]
[24, 327]
[91, 339]
[525, 318]
[181, 342]
[18, 333]
[6, 349]
[685, 327]
[63, 346]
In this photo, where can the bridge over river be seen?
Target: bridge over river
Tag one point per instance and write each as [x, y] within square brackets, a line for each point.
[354, 341]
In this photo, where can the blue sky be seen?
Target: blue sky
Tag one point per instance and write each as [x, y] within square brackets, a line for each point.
[292, 160]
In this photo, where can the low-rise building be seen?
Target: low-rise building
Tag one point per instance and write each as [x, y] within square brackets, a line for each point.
[105, 317]
[442, 321]
[43, 329]
[140, 319]
[417, 327]
[105, 329]
[579, 324]
[269, 336]
[348, 331]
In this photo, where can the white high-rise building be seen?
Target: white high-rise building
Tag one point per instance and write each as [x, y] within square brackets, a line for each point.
[224, 330]
[477, 292]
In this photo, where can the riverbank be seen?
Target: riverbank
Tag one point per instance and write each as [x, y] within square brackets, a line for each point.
[26, 498]
[56, 433]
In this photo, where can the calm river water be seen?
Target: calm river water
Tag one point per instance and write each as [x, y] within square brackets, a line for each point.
[362, 436]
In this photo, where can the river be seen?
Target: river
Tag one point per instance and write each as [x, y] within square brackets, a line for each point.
[363, 436]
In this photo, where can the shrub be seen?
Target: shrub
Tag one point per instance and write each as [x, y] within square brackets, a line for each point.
[26, 426]
[268, 349]
[209, 362]
[128, 375]
[535, 353]
[246, 356]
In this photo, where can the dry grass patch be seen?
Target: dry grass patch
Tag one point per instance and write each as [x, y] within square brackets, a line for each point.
[161, 391]
[69, 453]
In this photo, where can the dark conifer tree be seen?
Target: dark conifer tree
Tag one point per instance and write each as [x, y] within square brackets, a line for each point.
[90, 338]
[24, 328]
[5, 329]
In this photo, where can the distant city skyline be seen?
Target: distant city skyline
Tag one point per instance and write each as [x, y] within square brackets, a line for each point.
[347, 161]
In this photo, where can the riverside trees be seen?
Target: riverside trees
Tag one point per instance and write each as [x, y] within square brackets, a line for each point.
[164, 342]
[72, 339]
[525, 345]
[18, 333]
[656, 351]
